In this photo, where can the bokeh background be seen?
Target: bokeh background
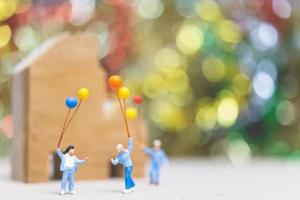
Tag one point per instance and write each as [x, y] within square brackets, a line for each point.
[218, 77]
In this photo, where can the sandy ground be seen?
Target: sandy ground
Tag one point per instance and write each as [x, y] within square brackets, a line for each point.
[185, 179]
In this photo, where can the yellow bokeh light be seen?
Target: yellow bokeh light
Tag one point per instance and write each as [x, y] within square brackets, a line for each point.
[189, 39]
[229, 31]
[154, 86]
[7, 9]
[167, 115]
[182, 99]
[206, 117]
[167, 58]
[225, 93]
[150, 9]
[241, 84]
[227, 112]
[208, 10]
[213, 69]
[5, 35]
[177, 81]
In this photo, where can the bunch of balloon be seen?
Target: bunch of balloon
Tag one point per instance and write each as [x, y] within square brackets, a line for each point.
[122, 93]
[71, 103]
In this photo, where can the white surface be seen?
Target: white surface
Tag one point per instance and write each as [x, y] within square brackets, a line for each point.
[187, 179]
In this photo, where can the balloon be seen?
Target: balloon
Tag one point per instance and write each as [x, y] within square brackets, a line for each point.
[131, 113]
[123, 93]
[83, 93]
[115, 82]
[71, 102]
[138, 99]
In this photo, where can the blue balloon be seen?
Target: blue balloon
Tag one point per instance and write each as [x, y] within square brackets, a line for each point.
[71, 102]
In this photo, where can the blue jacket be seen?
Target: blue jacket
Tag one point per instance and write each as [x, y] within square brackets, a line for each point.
[62, 164]
[124, 157]
[158, 158]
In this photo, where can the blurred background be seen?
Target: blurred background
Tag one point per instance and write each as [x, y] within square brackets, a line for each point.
[218, 77]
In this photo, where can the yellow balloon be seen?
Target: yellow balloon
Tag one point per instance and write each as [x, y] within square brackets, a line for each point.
[123, 93]
[83, 93]
[131, 113]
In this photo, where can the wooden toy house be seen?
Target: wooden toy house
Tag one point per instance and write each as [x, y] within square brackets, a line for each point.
[40, 85]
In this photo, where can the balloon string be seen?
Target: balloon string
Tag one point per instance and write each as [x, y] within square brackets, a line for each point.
[126, 121]
[121, 107]
[71, 118]
[68, 123]
[124, 117]
[62, 132]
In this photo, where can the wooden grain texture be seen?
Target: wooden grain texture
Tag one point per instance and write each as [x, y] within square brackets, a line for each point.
[68, 65]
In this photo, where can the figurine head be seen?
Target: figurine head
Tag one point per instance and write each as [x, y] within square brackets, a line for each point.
[156, 144]
[70, 150]
[120, 148]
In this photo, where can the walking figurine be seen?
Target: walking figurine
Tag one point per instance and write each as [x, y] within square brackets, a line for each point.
[69, 165]
[124, 159]
[158, 158]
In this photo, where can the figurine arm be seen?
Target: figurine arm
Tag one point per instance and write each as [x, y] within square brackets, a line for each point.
[148, 151]
[115, 161]
[165, 159]
[81, 161]
[130, 144]
[59, 153]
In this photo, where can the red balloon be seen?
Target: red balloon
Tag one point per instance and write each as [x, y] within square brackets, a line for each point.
[138, 99]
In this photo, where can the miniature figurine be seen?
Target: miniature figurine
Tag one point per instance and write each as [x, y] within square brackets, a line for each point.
[124, 159]
[158, 158]
[69, 165]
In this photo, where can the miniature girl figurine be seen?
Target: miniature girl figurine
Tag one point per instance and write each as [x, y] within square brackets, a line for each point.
[158, 158]
[124, 159]
[69, 165]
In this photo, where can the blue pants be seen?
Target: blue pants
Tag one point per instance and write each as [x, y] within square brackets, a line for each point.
[68, 176]
[154, 175]
[129, 183]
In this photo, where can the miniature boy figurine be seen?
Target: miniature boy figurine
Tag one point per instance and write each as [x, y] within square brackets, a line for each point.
[69, 165]
[124, 159]
[158, 158]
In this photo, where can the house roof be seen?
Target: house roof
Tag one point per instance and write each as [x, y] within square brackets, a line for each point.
[37, 52]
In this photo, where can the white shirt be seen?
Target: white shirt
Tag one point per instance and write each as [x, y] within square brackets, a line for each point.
[69, 161]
